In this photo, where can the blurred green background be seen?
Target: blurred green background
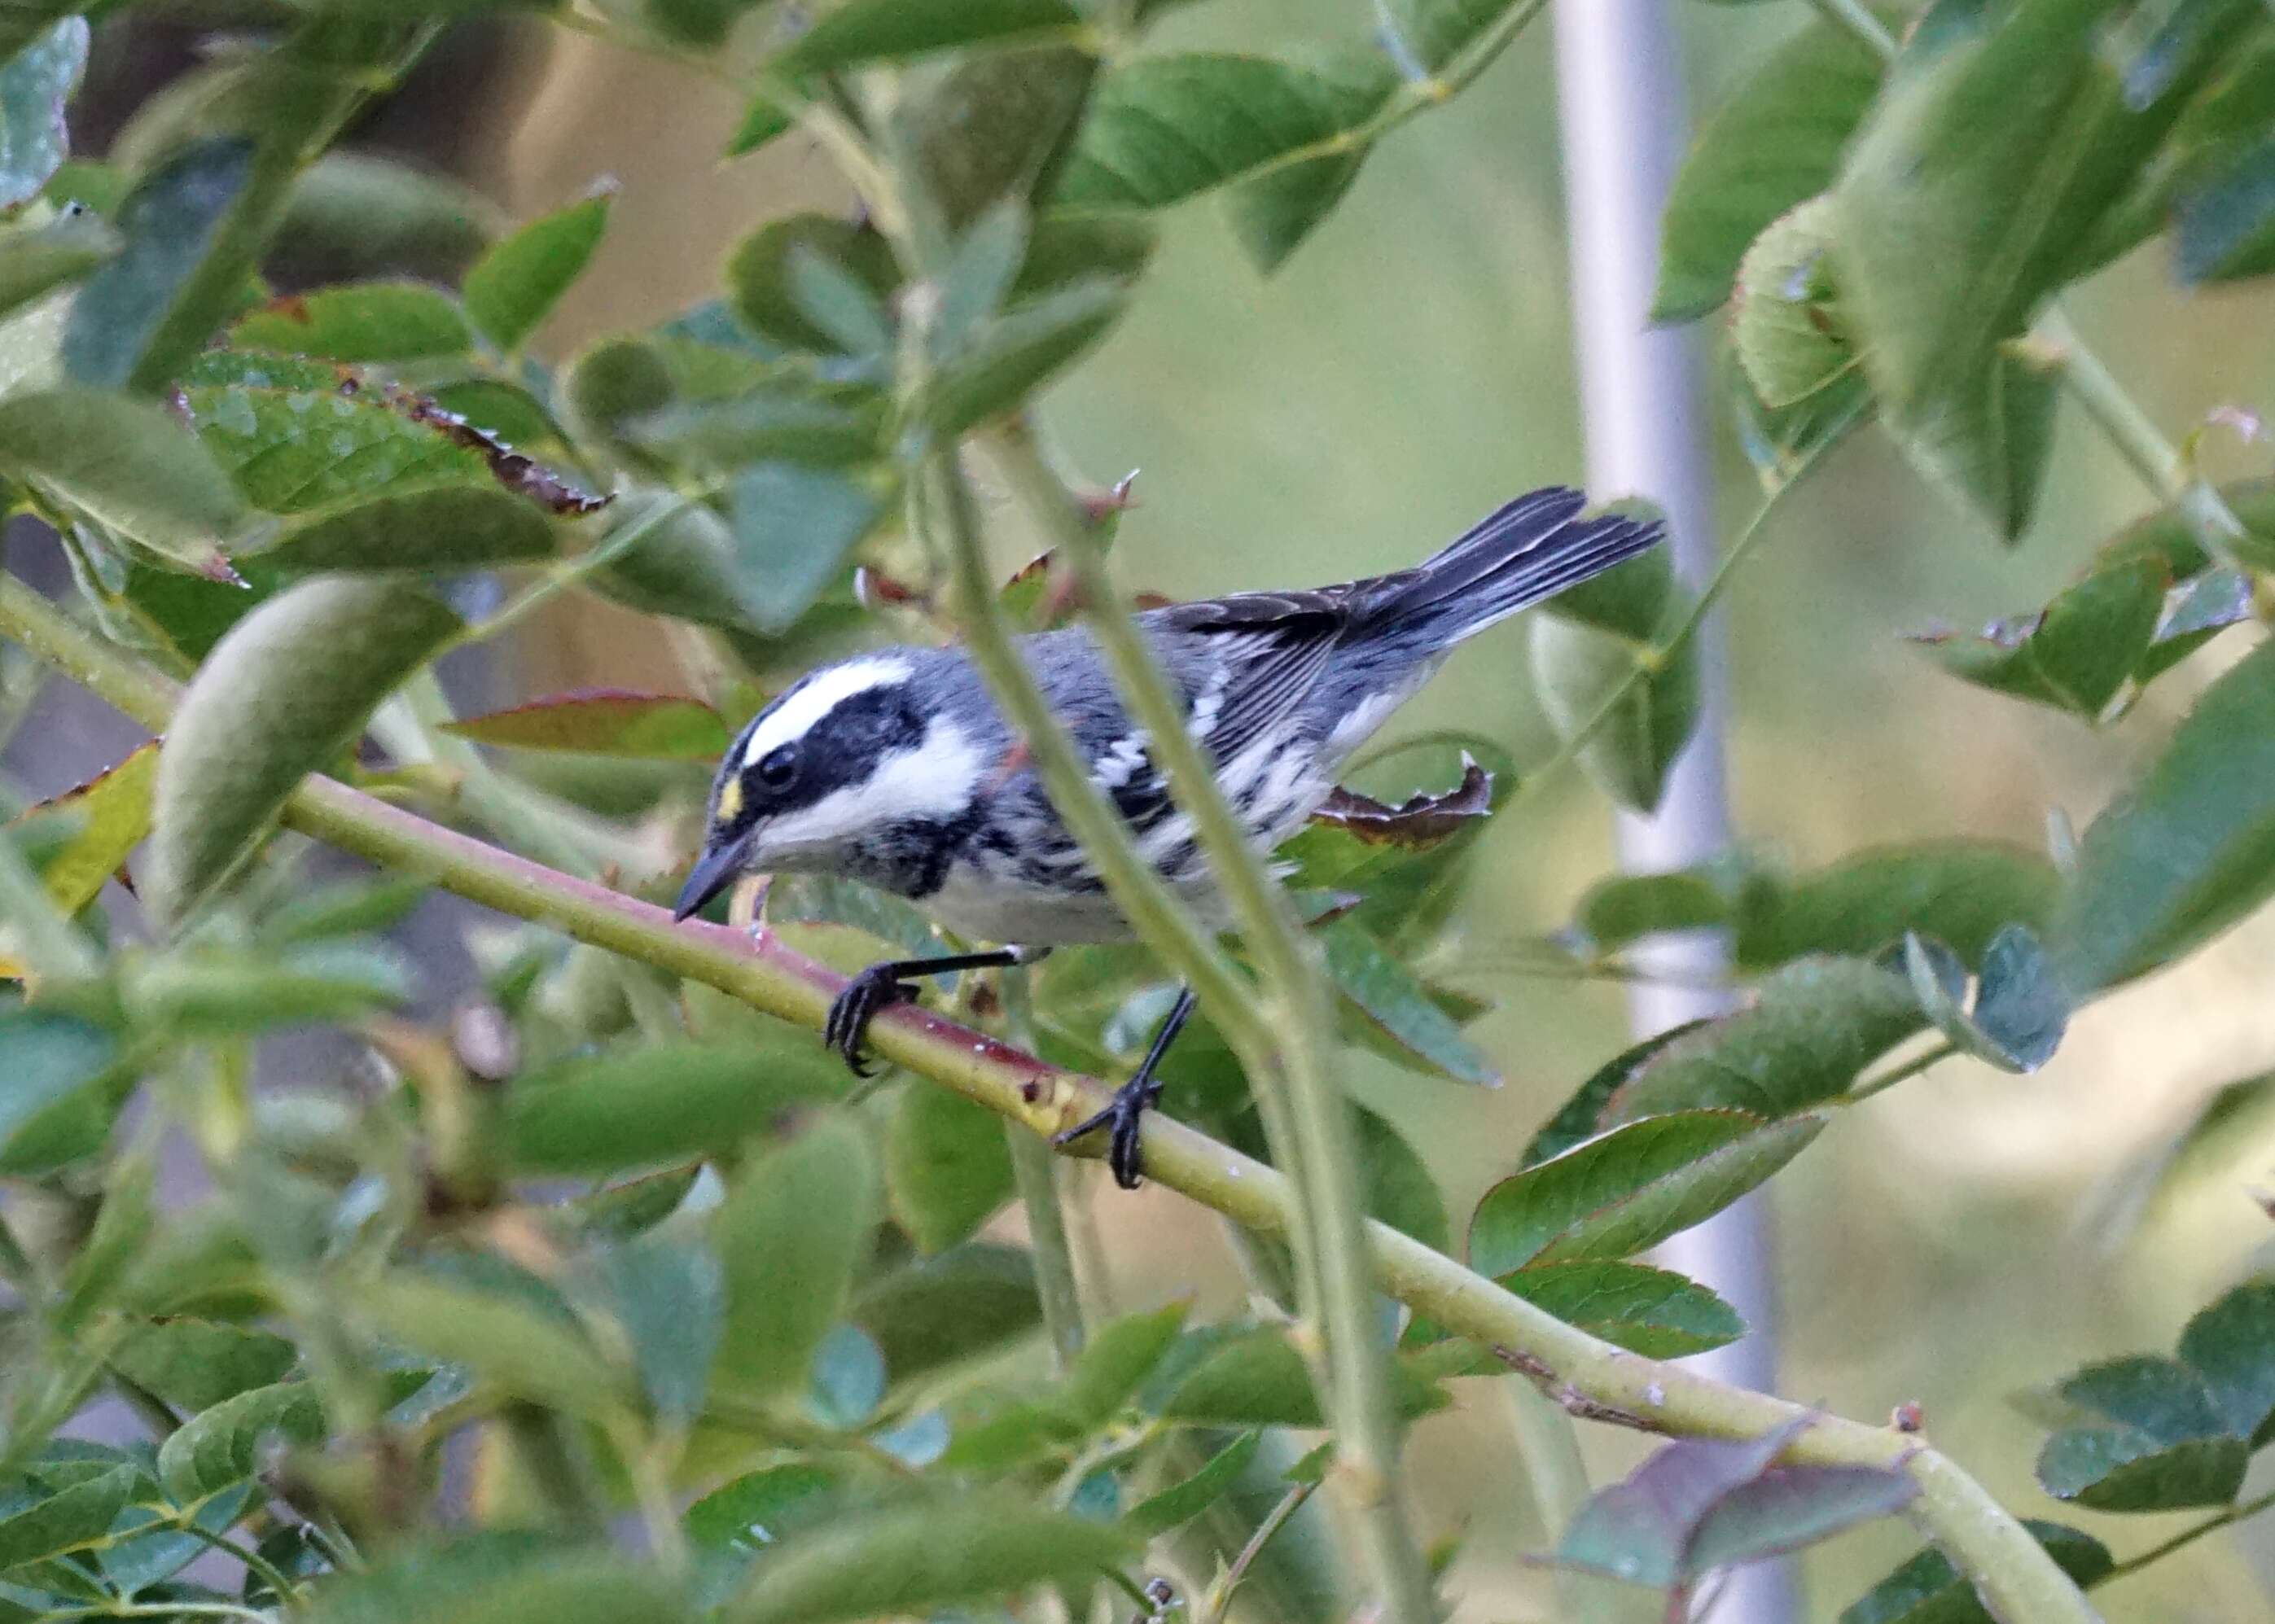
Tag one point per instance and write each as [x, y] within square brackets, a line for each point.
[1969, 1234]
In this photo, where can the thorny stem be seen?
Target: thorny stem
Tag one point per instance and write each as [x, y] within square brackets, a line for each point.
[1580, 1371]
[1305, 1110]
[1034, 1173]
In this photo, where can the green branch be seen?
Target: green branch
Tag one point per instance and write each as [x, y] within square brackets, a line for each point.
[1585, 1374]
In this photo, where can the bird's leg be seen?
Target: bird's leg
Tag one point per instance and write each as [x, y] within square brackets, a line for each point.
[1126, 1116]
[881, 986]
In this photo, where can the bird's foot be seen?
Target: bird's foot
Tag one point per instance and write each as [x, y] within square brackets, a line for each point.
[874, 990]
[1125, 1120]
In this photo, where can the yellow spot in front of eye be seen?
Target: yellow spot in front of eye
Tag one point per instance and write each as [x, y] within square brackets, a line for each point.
[731, 801]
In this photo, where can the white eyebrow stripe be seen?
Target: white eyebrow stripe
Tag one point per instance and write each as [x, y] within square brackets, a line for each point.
[823, 692]
[933, 779]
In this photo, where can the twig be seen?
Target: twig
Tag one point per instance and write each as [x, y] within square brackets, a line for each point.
[1213, 1605]
[1981, 1539]
[2212, 1524]
[1034, 1174]
[1305, 1112]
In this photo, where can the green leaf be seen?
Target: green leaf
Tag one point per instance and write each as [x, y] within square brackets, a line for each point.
[948, 1168]
[1240, 1375]
[761, 1507]
[2020, 1010]
[50, 1113]
[794, 527]
[197, 1363]
[1004, 360]
[718, 438]
[354, 216]
[1790, 1507]
[515, 286]
[1162, 129]
[446, 529]
[503, 1334]
[35, 82]
[1628, 907]
[132, 316]
[655, 1105]
[34, 261]
[1813, 1028]
[1927, 1590]
[1389, 995]
[1775, 143]
[71, 1520]
[2232, 1346]
[1650, 1312]
[1784, 442]
[1625, 1191]
[1628, 757]
[1181, 1501]
[794, 1229]
[1431, 34]
[360, 321]
[1118, 1358]
[997, 124]
[2076, 655]
[1787, 329]
[129, 464]
[2002, 139]
[1582, 1117]
[1961, 892]
[112, 813]
[221, 1446]
[499, 1577]
[2224, 227]
[251, 725]
[2156, 1441]
[861, 31]
[300, 436]
[918, 1558]
[963, 1304]
[607, 721]
[215, 992]
[670, 1297]
[759, 281]
[2190, 851]
[1398, 1185]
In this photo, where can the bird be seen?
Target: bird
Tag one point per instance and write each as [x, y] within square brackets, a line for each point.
[894, 768]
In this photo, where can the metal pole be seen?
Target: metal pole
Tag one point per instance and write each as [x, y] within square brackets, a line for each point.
[1619, 86]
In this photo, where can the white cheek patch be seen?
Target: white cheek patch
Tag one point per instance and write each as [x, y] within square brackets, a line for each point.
[823, 692]
[935, 779]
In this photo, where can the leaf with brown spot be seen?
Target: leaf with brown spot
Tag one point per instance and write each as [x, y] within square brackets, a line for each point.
[1418, 823]
[114, 811]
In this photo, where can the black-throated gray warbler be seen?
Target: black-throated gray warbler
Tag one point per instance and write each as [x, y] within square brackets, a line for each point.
[894, 768]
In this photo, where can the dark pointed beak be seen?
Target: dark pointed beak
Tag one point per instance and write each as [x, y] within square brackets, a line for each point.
[714, 871]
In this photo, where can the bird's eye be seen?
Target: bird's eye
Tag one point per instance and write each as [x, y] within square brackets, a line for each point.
[779, 768]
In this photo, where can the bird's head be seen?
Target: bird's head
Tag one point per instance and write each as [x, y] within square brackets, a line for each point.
[852, 753]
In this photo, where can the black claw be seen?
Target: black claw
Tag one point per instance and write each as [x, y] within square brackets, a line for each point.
[876, 988]
[1125, 1119]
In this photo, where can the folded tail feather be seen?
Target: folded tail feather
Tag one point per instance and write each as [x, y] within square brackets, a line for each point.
[1528, 550]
